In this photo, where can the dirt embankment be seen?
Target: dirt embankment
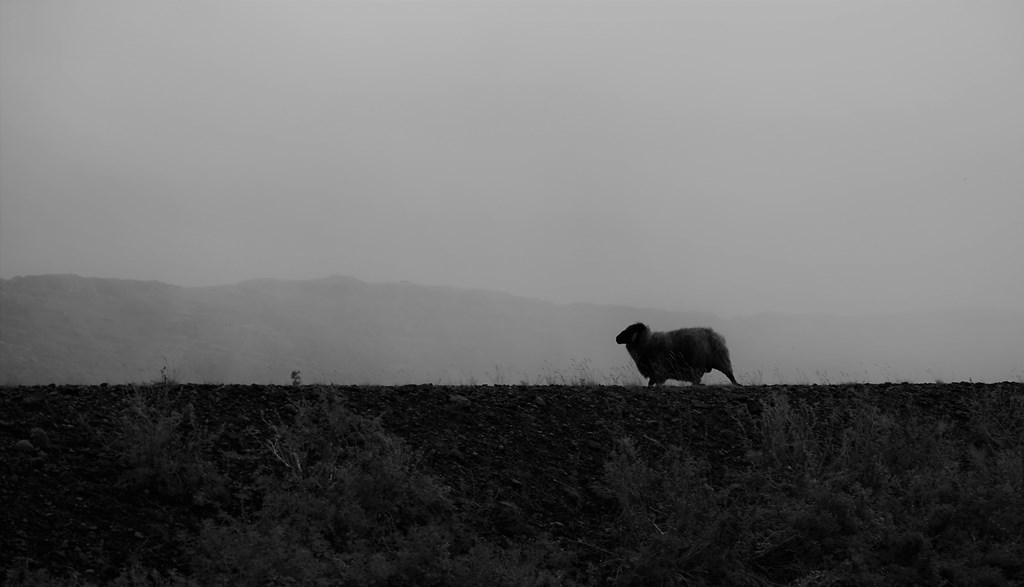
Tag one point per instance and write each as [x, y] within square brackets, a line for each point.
[537, 451]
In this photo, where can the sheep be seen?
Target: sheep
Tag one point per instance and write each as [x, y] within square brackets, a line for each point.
[685, 354]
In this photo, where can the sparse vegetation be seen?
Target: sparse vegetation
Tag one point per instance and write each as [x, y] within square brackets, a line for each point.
[345, 504]
[165, 449]
[561, 485]
[168, 376]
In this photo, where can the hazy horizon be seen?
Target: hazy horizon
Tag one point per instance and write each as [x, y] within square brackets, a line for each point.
[721, 315]
[732, 158]
[63, 329]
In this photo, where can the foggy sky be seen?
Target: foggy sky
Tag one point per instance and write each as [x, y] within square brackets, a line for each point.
[730, 157]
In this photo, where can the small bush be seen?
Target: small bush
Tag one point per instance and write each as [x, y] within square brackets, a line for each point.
[675, 525]
[348, 505]
[165, 448]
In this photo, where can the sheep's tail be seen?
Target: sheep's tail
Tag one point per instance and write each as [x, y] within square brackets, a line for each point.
[720, 352]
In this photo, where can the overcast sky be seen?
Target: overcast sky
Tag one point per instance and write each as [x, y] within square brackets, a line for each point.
[731, 157]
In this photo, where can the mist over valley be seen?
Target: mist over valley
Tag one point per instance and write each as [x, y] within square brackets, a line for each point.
[341, 330]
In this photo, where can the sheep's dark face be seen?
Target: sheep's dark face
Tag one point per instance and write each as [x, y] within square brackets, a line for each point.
[630, 334]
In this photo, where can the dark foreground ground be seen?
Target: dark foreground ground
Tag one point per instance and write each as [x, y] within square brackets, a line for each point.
[519, 485]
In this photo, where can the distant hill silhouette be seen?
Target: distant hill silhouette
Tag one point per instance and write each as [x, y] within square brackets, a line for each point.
[70, 329]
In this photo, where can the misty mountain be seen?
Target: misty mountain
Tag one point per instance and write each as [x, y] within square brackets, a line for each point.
[70, 329]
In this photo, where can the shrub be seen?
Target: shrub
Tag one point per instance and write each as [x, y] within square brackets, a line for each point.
[164, 448]
[676, 528]
[347, 504]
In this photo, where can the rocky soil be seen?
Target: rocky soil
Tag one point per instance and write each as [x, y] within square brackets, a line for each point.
[536, 453]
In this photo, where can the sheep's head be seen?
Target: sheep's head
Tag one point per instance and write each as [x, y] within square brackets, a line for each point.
[629, 335]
